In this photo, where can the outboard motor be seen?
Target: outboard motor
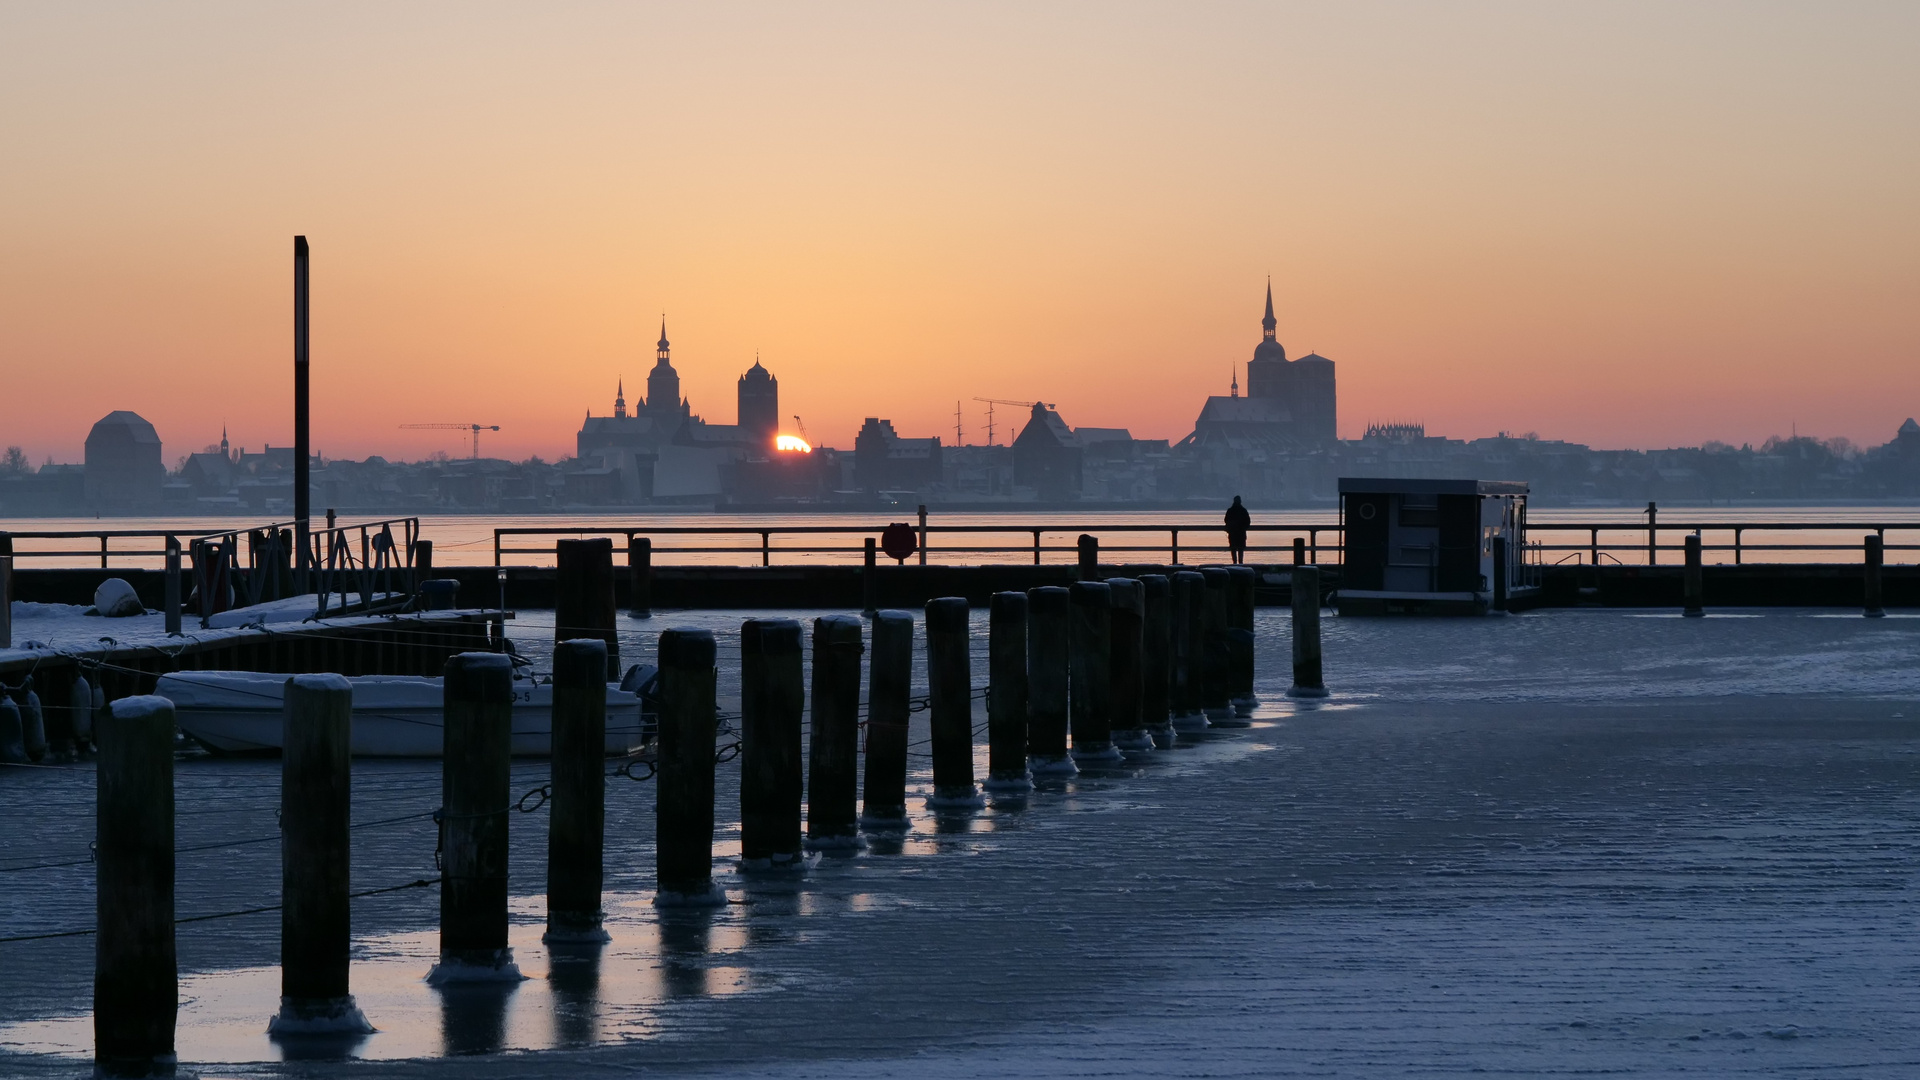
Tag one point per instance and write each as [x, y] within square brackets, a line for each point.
[643, 682]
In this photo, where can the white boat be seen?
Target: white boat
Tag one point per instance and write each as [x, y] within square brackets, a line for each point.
[239, 712]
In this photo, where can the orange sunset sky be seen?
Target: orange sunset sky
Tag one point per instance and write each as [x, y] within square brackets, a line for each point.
[1623, 224]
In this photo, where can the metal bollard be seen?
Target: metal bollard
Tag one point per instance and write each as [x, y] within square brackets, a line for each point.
[1049, 611]
[475, 784]
[833, 755]
[576, 829]
[316, 822]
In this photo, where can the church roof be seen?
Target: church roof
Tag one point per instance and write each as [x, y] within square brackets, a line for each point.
[135, 425]
[1910, 428]
[1314, 357]
[1269, 350]
[1243, 410]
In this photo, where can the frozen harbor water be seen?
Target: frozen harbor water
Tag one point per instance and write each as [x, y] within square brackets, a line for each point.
[1569, 842]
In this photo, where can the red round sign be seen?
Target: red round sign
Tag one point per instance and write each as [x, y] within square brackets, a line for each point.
[898, 542]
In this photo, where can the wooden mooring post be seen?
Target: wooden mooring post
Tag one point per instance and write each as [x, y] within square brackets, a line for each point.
[316, 822]
[583, 603]
[1126, 625]
[1088, 553]
[772, 712]
[476, 799]
[6, 590]
[1874, 557]
[1090, 672]
[1049, 612]
[683, 788]
[1212, 656]
[1188, 624]
[889, 694]
[1007, 693]
[1690, 579]
[833, 751]
[1308, 680]
[1156, 649]
[950, 702]
[135, 978]
[869, 578]
[576, 826]
[1240, 654]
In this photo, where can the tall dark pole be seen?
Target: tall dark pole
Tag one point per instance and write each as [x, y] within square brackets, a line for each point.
[301, 512]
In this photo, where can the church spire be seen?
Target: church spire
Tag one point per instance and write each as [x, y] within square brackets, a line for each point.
[1268, 323]
[620, 398]
[663, 339]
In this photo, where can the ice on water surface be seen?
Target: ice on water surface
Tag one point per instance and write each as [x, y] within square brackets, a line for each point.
[1559, 842]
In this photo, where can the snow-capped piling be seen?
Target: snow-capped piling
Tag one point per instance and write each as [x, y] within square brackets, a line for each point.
[888, 697]
[1049, 611]
[1090, 670]
[950, 700]
[1216, 688]
[583, 604]
[1126, 629]
[316, 820]
[640, 577]
[135, 979]
[477, 697]
[173, 583]
[1307, 679]
[1240, 582]
[773, 704]
[1007, 692]
[1874, 556]
[683, 790]
[576, 828]
[1187, 621]
[833, 751]
[1690, 579]
[1156, 643]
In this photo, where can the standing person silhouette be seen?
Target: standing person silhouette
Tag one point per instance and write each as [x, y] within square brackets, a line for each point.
[1237, 522]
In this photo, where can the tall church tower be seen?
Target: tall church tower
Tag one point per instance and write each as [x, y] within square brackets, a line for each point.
[1303, 387]
[759, 415]
[1267, 371]
[620, 400]
[663, 383]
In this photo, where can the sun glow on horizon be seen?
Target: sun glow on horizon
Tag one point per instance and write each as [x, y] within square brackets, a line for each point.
[791, 444]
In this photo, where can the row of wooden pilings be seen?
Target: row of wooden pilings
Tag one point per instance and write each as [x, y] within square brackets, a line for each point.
[1874, 557]
[1078, 672]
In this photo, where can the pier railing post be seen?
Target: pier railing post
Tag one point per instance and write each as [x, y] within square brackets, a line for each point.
[576, 827]
[869, 571]
[1156, 649]
[683, 789]
[316, 822]
[1308, 681]
[1874, 556]
[1007, 692]
[923, 534]
[833, 751]
[1126, 627]
[6, 591]
[1089, 670]
[475, 782]
[950, 701]
[888, 697]
[640, 576]
[1240, 653]
[1089, 557]
[1212, 656]
[772, 711]
[135, 978]
[1690, 579]
[1299, 551]
[1186, 618]
[1048, 613]
[173, 580]
[583, 604]
[1500, 574]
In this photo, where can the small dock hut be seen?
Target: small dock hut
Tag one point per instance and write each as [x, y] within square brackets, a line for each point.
[1429, 546]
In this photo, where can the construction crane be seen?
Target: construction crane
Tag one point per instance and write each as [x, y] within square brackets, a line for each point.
[992, 401]
[475, 428]
[800, 426]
